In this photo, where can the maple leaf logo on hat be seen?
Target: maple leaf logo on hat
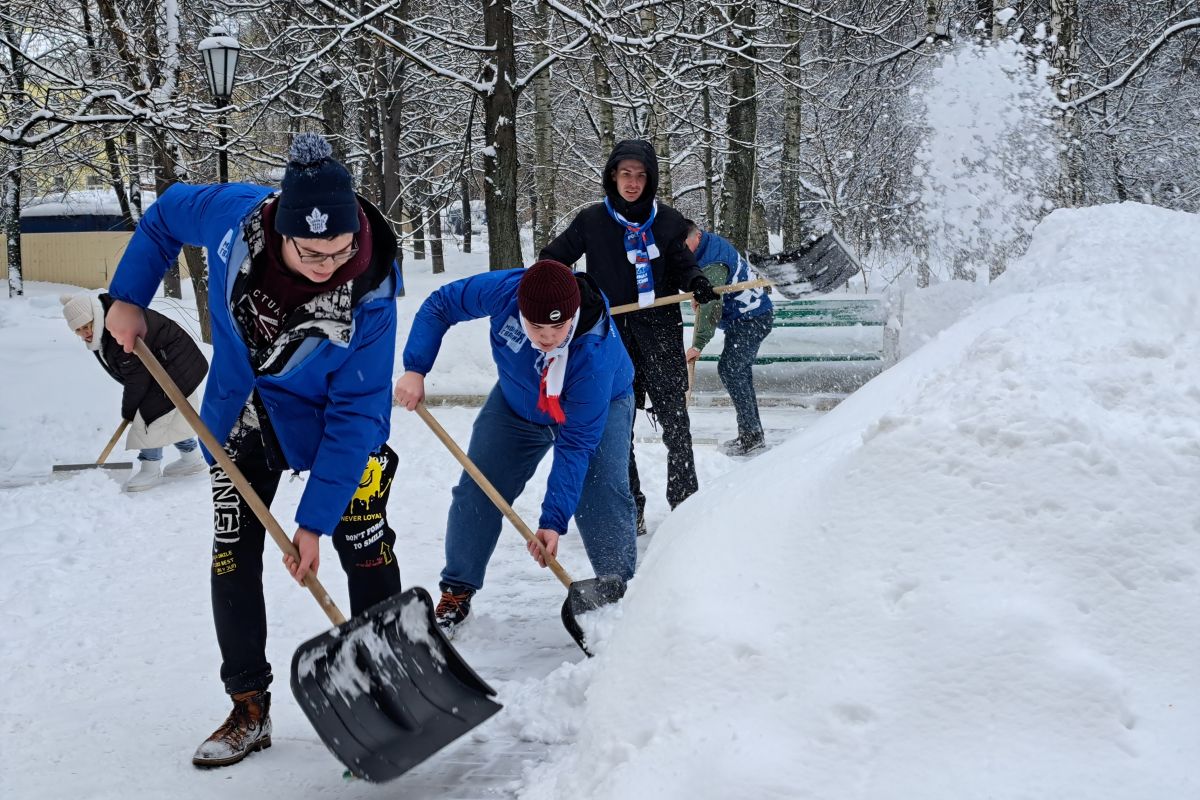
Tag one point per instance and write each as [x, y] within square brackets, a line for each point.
[316, 221]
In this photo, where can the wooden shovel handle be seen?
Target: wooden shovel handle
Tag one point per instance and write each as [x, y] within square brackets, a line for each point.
[491, 492]
[113, 441]
[672, 299]
[239, 480]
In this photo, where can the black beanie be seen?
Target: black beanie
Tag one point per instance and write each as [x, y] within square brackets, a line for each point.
[317, 201]
[548, 293]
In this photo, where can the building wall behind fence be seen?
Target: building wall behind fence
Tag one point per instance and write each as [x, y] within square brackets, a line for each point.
[79, 259]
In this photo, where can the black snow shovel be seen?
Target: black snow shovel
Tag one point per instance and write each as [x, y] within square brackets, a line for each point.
[582, 596]
[820, 266]
[384, 690]
[111, 468]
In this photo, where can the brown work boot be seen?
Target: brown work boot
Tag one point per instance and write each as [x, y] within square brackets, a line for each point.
[247, 729]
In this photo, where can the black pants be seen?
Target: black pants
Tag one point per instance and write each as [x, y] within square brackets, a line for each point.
[363, 540]
[660, 373]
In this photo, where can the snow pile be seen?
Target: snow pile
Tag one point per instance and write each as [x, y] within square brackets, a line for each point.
[977, 577]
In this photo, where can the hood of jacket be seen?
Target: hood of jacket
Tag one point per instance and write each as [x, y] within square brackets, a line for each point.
[637, 150]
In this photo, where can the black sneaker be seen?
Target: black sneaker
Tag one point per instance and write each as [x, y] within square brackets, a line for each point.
[454, 607]
[744, 445]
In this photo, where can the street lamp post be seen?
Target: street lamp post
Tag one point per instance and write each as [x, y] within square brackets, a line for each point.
[220, 51]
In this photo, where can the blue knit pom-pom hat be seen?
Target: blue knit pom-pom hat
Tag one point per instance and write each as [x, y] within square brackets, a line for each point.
[317, 201]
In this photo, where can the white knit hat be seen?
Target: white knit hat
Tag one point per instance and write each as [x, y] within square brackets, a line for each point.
[80, 309]
[77, 308]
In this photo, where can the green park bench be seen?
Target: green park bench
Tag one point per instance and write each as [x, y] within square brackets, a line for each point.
[818, 329]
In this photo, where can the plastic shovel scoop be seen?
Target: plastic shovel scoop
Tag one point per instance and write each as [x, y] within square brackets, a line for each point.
[820, 265]
[386, 690]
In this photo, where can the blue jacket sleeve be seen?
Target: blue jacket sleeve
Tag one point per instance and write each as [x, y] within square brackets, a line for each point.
[459, 301]
[585, 403]
[184, 214]
[357, 420]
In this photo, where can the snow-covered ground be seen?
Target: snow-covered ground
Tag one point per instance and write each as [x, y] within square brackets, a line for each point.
[976, 577]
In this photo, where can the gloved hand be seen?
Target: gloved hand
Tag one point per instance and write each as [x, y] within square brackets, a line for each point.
[702, 290]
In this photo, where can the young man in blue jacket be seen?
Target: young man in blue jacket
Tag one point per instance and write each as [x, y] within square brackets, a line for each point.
[746, 318]
[301, 293]
[565, 383]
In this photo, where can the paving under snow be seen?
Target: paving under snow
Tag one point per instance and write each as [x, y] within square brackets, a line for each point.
[977, 577]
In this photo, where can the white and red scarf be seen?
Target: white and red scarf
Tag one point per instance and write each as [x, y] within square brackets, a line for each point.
[553, 369]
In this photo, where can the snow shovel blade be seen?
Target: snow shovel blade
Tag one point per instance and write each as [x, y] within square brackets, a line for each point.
[819, 266]
[585, 596]
[386, 690]
[116, 469]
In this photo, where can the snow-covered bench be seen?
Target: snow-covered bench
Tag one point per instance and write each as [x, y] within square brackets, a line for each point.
[819, 329]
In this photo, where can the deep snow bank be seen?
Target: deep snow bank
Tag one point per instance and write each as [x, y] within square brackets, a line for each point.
[977, 577]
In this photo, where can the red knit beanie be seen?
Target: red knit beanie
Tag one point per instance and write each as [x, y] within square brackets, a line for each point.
[548, 293]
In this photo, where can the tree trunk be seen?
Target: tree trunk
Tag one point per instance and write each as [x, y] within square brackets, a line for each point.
[710, 199]
[10, 188]
[1064, 24]
[759, 241]
[110, 146]
[544, 168]
[416, 217]
[10, 211]
[197, 266]
[466, 212]
[658, 129]
[333, 112]
[603, 79]
[500, 132]
[133, 157]
[741, 125]
[390, 74]
[466, 170]
[435, 242]
[998, 29]
[164, 176]
[433, 232]
[794, 219]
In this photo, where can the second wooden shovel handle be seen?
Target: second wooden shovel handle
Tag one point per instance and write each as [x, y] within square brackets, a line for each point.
[490, 490]
[113, 441]
[673, 299]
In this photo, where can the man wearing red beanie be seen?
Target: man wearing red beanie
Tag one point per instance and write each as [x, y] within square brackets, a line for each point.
[565, 383]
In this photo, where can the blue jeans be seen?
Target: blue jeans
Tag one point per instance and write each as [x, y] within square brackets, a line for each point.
[735, 368]
[507, 449]
[155, 453]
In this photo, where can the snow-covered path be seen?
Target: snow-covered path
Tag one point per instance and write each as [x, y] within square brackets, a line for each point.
[108, 640]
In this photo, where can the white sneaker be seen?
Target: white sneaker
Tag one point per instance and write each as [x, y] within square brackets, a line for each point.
[189, 463]
[148, 476]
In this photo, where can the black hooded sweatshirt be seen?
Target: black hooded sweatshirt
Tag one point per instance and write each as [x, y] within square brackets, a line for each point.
[602, 239]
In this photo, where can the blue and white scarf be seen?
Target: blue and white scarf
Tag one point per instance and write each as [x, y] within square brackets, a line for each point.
[640, 249]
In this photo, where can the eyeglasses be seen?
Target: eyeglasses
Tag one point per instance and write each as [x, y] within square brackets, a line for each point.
[340, 257]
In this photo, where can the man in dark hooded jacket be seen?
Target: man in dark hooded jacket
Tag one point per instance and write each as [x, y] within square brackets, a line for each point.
[636, 251]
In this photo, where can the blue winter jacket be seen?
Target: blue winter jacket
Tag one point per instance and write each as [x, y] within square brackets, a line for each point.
[598, 372]
[330, 404]
[746, 303]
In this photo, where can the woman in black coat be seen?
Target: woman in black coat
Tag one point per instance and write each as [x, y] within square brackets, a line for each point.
[153, 420]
